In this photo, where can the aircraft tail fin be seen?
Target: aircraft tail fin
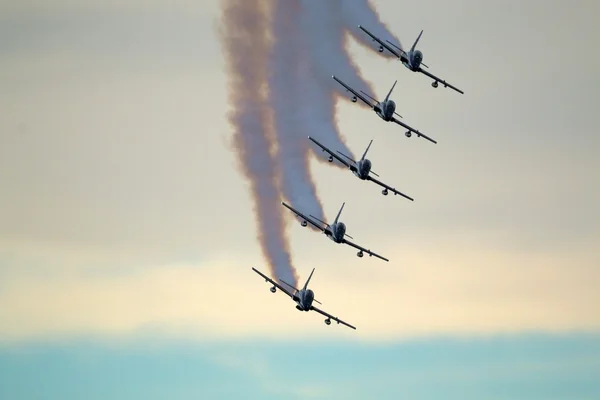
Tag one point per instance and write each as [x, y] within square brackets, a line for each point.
[308, 280]
[416, 41]
[390, 92]
[365, 153]
[339, 212]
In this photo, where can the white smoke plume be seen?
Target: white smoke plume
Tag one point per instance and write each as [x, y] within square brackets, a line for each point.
[307, 46]
[363, 13]
[245, 44]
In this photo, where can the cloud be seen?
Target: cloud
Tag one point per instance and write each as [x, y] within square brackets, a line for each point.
[463, 288]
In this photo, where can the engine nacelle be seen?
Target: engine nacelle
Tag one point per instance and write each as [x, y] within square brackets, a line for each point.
[360, 254]
[273, 289]
[408, 134]
[354, 99]
[435, 84]
[384, 192]
[304, 223]
[381, 49]
[330, 159]
[328, 321]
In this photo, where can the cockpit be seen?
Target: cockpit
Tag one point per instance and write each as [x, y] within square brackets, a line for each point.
[417, 58]
[308, 299]
[390, 107]
[340, 230]
[365, 168]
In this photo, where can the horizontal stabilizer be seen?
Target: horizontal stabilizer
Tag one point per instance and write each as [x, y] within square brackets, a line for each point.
[323, 222]
[342, 154]
[369, 96]
[398, 47]
[282, 281]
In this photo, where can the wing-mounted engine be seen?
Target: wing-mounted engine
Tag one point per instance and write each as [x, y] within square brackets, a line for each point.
[364, 168]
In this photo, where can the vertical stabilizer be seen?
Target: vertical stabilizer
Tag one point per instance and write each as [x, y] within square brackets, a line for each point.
[365, 153]
[308, 280]
[338, 215]
[416, 41]
[390, 92]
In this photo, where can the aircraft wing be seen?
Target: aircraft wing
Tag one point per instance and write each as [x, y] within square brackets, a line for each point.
[391, 189]
[392, 50]
[413, 130]
[336, 319]
[369, 252]
[267, 279]
[348, 88]
[304, 217]
[331, 153]
[443, 82]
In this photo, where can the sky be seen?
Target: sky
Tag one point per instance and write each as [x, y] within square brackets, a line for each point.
[127, 232]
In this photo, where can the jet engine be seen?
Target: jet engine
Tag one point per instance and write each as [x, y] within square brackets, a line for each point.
[330, 159]
[381, 49]
[273, 289]
[304, 223]
[328, 321]
[408, 134]
[354, 99]
[384, 192]
[435, 84]
[360, 254]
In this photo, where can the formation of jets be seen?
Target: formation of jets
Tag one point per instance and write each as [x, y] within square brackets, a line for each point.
[336, 231]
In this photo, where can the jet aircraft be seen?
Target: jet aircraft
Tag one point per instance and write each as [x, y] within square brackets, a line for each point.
[360, 168]
[304, 298]
[384, 109]
[413, 59]
[335, 231]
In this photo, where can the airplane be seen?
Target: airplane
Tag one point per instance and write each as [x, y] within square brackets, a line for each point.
[303, 298]
[384, 109]
[360, 168]
[335, 231]
[412, 60]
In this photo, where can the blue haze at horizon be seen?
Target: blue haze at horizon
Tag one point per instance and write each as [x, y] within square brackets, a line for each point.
[527, 366]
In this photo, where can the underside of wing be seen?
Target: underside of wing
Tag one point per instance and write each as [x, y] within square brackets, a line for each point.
[437, 81]
[275, 284]
[331, 317]
[332, 154]
[362, 249]
[304, 217]
[354, 92]
[412, 130]
[389, 188]
[382, 44]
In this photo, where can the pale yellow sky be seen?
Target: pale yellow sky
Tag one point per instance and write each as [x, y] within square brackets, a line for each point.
[121, 208]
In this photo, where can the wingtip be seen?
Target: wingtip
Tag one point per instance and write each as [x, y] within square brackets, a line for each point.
[359, 26]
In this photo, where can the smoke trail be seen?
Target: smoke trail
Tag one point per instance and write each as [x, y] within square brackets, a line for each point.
[244, 39]
[288, 98]
[362, 12]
